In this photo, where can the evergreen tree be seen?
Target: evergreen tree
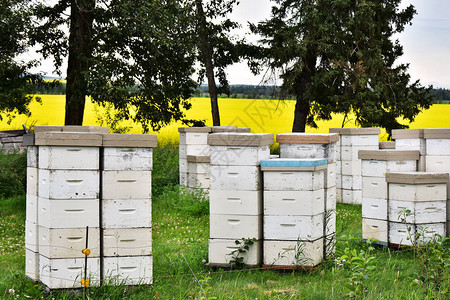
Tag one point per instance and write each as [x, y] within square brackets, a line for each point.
[338, 56]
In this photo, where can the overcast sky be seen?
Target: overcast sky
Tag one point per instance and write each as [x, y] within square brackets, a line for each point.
[426, 43]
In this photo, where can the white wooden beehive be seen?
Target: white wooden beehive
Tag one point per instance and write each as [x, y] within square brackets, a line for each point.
[32, 156]
[235, 202]
[331, 177]
[374, 187]
[32, 181]
[127, 159]
[359, 140]
[375, 230]
[299, 203]
[375, 208]
[350, 153]
[351, 196]
[331, 198]
[198, 168]
[127, 185]
[438, 147]
[66, 273]
[132, 270]
[68, 242]
[401, 235]
[31, 236]
[351, 167]
[68, 184]
[293, 253]
[417, 192]
[243, 178]
[229, 226]
[32, 208]
[221, 251]
[378, 168]
[31, 264]
[292, 228]
[238, 155]
[183, 165]
[421, 212]
[69, 158]
[350, 182]
[198, 180]
[127, 241]
[194, 138]
[127, 213]
[309, 145]
[68, 214]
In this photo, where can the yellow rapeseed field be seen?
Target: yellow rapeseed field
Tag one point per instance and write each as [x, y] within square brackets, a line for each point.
[260, 115]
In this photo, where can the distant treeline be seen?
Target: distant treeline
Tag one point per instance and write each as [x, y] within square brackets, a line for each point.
[239, 91]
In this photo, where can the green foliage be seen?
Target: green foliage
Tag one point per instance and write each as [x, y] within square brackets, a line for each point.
[132, 54]
[361, 265]
[339, 57]
[242, 246]
[433, 259]
[13, 174]
[16, 84]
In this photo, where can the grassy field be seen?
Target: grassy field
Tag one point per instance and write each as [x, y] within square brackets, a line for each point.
[260, 115]
[180, 250]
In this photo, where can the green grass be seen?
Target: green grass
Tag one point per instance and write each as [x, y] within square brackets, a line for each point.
[180, 248]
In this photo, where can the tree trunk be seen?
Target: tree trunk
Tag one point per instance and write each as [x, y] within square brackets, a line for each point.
[206, 54]
[80, 49]
[301, 111]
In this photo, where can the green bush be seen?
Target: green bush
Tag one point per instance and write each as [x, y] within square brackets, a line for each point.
[13, 174]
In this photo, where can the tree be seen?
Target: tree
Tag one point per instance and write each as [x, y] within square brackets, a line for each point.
[131, 53]
[216, 49]
[16, 84]
[339, 57]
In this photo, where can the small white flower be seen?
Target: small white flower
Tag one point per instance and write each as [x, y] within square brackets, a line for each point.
[11, 291]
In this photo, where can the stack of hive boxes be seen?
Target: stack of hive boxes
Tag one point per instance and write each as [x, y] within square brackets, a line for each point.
[126, 208]
[194, 154]
[294, 211]
[236, 196]
[67, 180]
[317, 145]
[437, 159]
[411, 139]
[349, 181]
[417, 205]
[374, 166]
[76, 200]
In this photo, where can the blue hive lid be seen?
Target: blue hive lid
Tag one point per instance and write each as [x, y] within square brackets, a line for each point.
[292, 162]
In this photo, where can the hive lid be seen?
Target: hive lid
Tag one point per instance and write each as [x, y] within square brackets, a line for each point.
[194, 129]
[417, 177]
[198, 159]
[307, 138]
[53, 138]
[71, 128]
[224, 129]
[240, 139]
[389, 154]
[386, 145]
[356, 131]
[290, 164]
[436, 133]
[129, 140]
[407, 133]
